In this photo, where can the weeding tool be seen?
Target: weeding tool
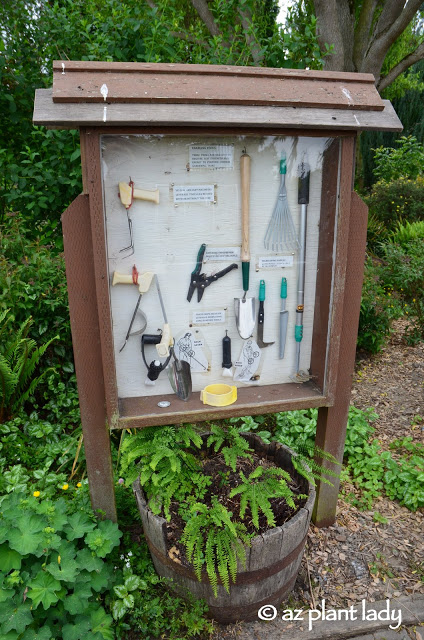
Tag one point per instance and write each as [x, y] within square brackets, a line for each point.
[143, 281]
[280, 233]
[200, 281]
[261, 317]
[128, 193]
[284, 317]
[245, 307]
[303, 200]
[179, 373]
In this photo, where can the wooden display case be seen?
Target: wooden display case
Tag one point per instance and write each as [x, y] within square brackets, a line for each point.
[180, 131]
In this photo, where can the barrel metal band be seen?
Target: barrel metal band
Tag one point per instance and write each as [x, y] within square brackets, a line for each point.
[247, 577]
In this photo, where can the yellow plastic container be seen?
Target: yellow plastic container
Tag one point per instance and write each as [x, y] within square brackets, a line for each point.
[218, 395]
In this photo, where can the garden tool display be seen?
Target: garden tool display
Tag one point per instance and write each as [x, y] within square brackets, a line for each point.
[227, 365]
[128, 193]
[199, 280]
[245, 307]
[179, 373]
[303, 200]
[155, 368]
[143, 281]
[261, 317]
[284, 317]
[281, 233]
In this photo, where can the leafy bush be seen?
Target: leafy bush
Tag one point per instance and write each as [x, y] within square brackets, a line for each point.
[379, 307]
[405, 268]
[407, 232]
[32, 282]
[53, 570]
[151, 610]
[42, 181]
[370, 468]
[406, 161]
[393, 202]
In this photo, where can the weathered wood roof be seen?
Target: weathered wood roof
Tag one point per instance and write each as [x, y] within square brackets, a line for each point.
[119, 94]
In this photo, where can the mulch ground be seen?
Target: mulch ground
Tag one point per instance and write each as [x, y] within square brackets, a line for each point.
[357, 557]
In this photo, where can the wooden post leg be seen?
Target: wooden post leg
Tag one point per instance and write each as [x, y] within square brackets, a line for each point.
[331, 427]
[87, 353]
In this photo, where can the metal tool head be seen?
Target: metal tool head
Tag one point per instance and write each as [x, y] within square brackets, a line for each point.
[245, 316]
[284, 319]
[179, 375]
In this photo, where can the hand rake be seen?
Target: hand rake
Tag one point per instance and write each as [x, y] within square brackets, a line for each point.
[281, 233]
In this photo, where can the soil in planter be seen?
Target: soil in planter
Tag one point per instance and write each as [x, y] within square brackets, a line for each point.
[223, 481]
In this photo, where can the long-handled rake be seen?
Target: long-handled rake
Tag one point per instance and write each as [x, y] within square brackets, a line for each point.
[281, 233]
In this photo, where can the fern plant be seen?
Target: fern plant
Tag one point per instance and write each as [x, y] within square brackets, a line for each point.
[236, 445]
[162, 459]
[19, 357]
[256, 491]
[212, 538]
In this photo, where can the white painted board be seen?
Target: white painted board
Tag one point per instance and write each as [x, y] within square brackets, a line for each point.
[168, 235]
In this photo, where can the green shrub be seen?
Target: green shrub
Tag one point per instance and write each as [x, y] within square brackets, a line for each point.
[406, 161]
[33, 283]
[393, 202]
[370, 468]
[42, 181]
[379, 306]
[53, 570]
[405, 269]
[406, 232]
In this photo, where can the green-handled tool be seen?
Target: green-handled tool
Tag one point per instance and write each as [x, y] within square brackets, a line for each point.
[261, 317]
[303, 200]
[284, 317]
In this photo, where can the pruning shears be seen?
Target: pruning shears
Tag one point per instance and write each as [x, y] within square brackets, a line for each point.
[200, 280]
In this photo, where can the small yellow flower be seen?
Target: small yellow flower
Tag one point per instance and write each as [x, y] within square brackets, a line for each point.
[58, 559]
[65, 487]
[79, 484]
[36, 494]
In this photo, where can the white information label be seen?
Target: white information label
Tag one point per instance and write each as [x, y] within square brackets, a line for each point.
[194, 193]
[208, 317]
[211, 156]
[275, 262]
[221, 254]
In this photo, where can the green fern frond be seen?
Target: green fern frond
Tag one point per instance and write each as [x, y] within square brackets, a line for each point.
[259, 488]
[19, 356]
[212, 540]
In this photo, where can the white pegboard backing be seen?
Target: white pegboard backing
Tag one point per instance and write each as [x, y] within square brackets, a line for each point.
[168, 235]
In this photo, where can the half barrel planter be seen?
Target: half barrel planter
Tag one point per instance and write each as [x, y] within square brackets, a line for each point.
[272, 561]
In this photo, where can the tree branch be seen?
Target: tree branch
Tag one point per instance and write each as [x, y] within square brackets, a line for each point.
[393, 20]
[253, 44]
[395, 17]
[362, 31]
[206, 16]
[182, 35]
[401, 66]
